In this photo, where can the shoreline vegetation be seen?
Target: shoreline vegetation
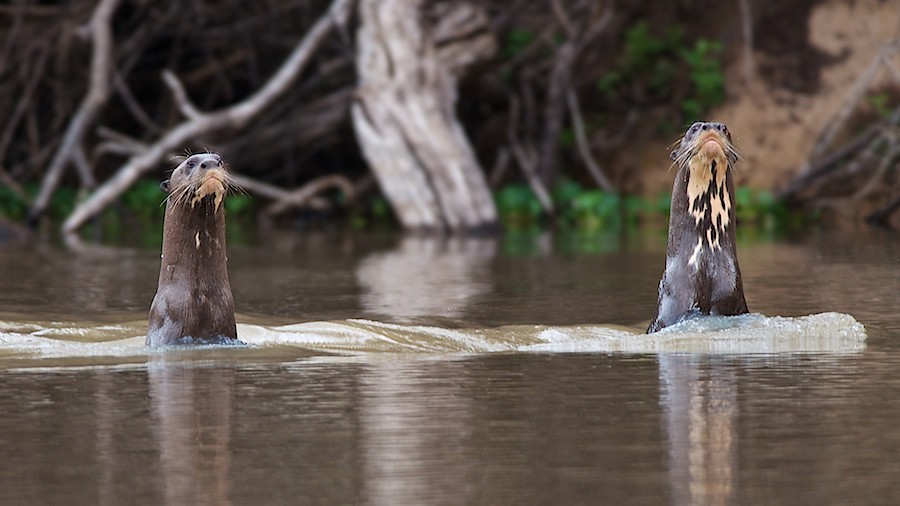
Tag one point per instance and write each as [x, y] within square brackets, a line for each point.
[527, 115]
[580, 210]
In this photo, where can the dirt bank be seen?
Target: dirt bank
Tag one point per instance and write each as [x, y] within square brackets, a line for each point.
[797, 88]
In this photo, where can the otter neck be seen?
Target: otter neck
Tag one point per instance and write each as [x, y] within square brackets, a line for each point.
[710, 198]
[194, 238]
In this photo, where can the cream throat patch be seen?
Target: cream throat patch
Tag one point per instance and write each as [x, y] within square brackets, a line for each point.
[708, 199]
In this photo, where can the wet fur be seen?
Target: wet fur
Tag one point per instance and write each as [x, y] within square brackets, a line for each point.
[702, 275]
[193, 302]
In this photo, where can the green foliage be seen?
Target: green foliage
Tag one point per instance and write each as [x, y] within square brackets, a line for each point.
[11, 205]
[762, 209]
[649, 57]
[146, 201]
[374, 212]
[659, 64]
[63, 202]
[565, 192]
[592, 211]
[518, 206]
[567, 138]
[881, 102]
[706, 75]
[239, 206]
[516, 41]
[646, 59]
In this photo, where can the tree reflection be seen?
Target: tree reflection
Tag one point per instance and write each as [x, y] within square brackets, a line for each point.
[426, 276]
[413, 434]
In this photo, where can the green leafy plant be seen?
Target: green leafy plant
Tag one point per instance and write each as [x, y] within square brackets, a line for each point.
[516, 41]
[518, 206]
[146, 201]
[881, 102]
[11, 205]
[705, 71]
[653, 65]
[592, 211]
[239, 206]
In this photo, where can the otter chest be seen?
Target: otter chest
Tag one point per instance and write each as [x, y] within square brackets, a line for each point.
[709, 201]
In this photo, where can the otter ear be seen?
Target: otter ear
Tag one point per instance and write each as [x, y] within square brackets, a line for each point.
[164, 186]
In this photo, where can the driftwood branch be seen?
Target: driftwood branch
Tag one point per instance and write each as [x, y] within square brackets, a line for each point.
[856, 94]
[302, 196]
[527, 159]
[23, 101]
[891, 151]
[584, 148]
[882, 216]
[234, 116]
[815, 172]
[747, 35]
[188, 109]
[287, 198]
[561, 77]
[13, 185]
[100, 30]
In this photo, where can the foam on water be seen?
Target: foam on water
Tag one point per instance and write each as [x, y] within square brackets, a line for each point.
[753, 333]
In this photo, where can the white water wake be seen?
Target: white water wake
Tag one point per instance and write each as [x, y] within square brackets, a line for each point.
[87, 344]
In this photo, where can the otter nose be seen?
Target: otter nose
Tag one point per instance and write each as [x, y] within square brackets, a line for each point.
[204, 165]
[705, 126]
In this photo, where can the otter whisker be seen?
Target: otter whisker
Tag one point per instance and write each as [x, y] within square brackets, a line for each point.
[182, 195]
[685, 155]
[232, 186]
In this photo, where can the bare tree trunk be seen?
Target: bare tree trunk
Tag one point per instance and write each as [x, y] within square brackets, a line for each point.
[408, 61]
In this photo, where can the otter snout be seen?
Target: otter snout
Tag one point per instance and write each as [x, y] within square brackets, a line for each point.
[711, 145]
[710, 139]
[212, 184]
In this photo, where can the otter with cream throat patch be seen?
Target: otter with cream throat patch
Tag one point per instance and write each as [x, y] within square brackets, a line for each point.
[702, 275]
[193, 302]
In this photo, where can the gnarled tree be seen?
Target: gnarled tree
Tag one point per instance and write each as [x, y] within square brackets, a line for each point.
[409, 59]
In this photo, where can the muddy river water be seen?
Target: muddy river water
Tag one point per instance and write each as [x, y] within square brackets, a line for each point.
[388, 370]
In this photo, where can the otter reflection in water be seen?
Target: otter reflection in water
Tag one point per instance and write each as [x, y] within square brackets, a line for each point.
[702, 274]
[193, 302]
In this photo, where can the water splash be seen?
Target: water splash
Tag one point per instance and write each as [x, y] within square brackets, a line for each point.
[22, 343]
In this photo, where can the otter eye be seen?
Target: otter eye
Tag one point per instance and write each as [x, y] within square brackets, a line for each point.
[191, 163]
[695, 127]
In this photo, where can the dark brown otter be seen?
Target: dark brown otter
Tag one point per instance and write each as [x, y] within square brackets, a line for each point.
[193, 302]
[702, 274]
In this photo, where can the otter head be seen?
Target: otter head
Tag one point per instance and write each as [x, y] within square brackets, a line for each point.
[712, 140]
[197, 177]
[707, 153]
